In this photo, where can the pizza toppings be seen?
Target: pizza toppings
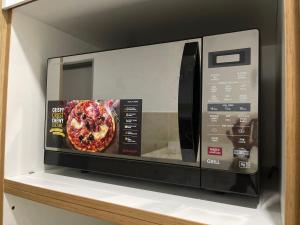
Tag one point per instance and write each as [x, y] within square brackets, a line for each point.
[101, 133]
[76, 124]
[90, 126]
[91, 137]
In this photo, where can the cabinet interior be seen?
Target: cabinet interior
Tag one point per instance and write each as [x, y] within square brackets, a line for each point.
[44, 29]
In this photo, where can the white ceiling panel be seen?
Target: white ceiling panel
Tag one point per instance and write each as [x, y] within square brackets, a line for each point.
[116, 23]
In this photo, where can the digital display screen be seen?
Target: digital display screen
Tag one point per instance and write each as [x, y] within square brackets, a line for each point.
[228, 58]
[233, 57]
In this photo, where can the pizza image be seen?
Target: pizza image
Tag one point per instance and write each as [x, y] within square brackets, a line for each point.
[68, 108]
[91, 126]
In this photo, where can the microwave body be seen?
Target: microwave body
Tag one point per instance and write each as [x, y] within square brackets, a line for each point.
[184, 112]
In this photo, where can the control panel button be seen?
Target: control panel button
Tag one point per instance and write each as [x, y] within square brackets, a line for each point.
[244, 165]
[214, 139]
[241, 153]
[214, 118]
[214, 151]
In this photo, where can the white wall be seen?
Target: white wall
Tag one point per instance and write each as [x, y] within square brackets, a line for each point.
[27, 212]
[32, 43]
[11, 3]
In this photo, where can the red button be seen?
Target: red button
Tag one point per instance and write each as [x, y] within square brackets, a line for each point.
[214, 151]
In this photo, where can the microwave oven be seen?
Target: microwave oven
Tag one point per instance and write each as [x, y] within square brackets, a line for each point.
[183, 112]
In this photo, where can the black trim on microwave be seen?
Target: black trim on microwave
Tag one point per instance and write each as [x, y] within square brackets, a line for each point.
[189, 102]
[77, 65]
[145, 170]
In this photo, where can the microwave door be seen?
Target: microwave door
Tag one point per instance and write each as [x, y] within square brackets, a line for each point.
[149, 73]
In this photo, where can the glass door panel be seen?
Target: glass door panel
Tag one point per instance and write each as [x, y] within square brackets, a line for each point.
[150, 73]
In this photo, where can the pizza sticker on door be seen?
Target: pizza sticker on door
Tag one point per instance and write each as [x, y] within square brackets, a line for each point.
[110, 126]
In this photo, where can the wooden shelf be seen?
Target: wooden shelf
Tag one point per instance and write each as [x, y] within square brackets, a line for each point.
[100, 210]
[124, 201]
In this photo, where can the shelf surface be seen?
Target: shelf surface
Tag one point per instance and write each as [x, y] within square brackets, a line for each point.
[143, 201]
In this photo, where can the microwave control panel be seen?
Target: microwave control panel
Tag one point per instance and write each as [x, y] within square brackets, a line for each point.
[230, 91]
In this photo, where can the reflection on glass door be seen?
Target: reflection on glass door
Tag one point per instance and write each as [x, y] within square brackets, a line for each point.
[149, 73]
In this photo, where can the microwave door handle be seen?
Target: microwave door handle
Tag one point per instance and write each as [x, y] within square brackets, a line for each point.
[189, 102]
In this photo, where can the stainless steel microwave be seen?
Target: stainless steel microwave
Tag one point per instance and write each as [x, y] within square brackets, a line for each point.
[183, 112]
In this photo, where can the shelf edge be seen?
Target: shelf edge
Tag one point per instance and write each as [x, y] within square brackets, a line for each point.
[291, 179]
[100, 210]
[5, 30]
